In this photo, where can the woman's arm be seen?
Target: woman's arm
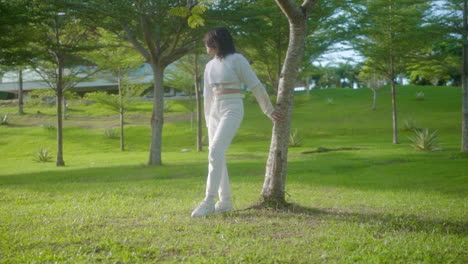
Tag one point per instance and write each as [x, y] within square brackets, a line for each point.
[208, 96]
[249, 78]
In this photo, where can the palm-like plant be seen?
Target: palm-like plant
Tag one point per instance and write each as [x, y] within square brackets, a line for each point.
[410, 125]
[294, 140]
[424, 140]
[43, 155]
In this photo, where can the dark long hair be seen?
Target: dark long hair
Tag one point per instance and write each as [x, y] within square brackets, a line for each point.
[220, 39]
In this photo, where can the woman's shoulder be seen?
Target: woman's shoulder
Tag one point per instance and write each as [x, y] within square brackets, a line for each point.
[208, 64]
[237, 58]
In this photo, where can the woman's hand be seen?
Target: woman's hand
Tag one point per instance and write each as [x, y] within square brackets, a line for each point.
[276, 116]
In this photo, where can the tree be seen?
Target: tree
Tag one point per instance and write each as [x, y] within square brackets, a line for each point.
[16, 33]
[266, 48]
[118, 58]
[464, 145]
[439, 62]
[388, 33]
[369, 77]
[61, 39]
[273, 191]
[187, 75]
[161, 32]
[330, 24]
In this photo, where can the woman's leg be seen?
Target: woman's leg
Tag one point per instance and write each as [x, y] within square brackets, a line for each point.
[224, 191]
[230, 113]
[224, 122]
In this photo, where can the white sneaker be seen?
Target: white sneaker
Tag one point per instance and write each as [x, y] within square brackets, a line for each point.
[204, 208]
[223, 207]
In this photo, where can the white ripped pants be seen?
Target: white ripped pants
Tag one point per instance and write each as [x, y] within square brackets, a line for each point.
[226, 115]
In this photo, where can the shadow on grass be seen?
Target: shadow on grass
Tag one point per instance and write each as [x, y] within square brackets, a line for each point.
[102, 175]
[343, 171]
[385, 222]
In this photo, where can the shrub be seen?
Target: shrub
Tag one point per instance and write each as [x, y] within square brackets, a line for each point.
[48, 127]
[410, 125]
[420, 96]
[423, 140]
[294, 140]
[167, 107]
[42, 155]
[110, 133]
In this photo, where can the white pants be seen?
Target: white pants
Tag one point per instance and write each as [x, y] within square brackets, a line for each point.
[225, 118]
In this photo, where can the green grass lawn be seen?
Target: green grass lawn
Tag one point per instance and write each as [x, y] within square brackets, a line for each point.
[384, 203]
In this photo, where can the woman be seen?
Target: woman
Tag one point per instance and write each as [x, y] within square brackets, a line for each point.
[224, 111]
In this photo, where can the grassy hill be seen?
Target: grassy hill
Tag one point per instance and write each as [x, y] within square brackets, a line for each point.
[384, 203]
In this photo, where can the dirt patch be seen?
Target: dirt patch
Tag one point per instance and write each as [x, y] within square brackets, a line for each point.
[93, 122]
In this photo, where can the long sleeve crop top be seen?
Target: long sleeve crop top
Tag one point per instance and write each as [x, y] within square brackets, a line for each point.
[229, 73]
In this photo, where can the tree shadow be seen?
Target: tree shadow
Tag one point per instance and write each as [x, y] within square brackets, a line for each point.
[386, 222]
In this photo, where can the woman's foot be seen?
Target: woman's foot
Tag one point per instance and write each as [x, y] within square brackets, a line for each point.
[223, 207]
[204, 208]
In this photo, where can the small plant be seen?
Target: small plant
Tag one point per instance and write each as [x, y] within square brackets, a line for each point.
[110, 133]
[420, 96]
[4, 119]
[43, 155]
[167, 107]
[330, 101]
[49, 127]
[294, 140]
[410, 125]
[423, 140]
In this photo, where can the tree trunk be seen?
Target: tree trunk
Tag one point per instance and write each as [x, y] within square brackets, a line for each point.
[121, 112]
[307, 84]
[64, 100]
[59, 95]
[157, 117]
[278, 60]
[464, 147]
[198, 99]
[394, 112]
[20, 92]
[374, 98]
[273, 192]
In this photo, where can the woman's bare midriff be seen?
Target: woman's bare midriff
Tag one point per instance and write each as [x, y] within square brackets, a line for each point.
[226, 91]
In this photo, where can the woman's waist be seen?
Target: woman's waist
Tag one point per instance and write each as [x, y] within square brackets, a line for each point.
[226, 87]
[227, 91]
[228, 96]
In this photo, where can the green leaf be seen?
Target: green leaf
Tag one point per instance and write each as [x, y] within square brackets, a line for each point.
[195, 21]
[179, 11]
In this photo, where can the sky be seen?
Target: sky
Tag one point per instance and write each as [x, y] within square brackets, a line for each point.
[339, 53]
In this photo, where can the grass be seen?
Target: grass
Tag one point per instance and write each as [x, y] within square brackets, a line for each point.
[382, 204]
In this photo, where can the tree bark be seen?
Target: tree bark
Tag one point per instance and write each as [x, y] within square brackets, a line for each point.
[64, 100]
[20, 92]
[464, 147]
[374, 98]
[273, 191]
[307, 83]
[59, 95]
[121, 112]
[157, 117]
[394, 112]
[199, 112]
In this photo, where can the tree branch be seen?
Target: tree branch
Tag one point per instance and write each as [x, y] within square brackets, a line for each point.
[44, 77]
[72, 84]
[290, 8]
[177, 35]
[145, 25]
[136, 44]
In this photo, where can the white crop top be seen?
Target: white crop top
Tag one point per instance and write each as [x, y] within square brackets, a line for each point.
[229, 73]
